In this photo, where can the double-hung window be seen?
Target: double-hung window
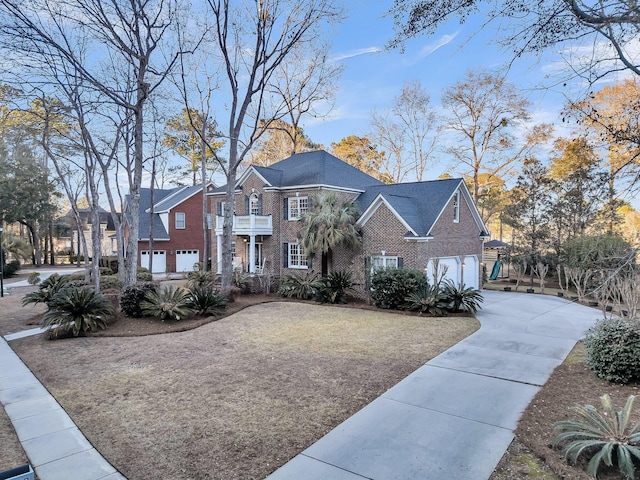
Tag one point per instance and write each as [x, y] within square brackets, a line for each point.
[180, 221]
[382, 262]
[297, 207]
[254, 204]
[297, 257]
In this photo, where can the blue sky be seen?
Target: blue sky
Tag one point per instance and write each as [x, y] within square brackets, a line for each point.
[373, 75]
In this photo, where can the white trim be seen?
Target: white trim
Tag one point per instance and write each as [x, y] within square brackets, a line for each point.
[320, 186]
[373, 208]
[184, 220]
[301, 254]
[297, 198]
[456, 206]
[245, 175]
[462, 188]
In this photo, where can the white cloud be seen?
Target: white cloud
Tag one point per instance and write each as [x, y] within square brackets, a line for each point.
[433, 46]
[355, 53]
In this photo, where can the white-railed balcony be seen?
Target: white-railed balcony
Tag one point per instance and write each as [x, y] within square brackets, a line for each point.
[248, 225]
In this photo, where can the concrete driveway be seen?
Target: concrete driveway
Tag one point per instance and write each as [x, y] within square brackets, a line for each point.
[454, 417]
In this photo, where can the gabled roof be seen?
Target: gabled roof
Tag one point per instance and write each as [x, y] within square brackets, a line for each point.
[174, 199]
[310, 169]
[418, 205]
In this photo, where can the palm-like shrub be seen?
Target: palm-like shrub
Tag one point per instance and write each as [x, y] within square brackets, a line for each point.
[334, 287]
[299, 286]
[167, 304]
[47, 290]
[462, 299]
[606, 437]
[76, 310]
[205, 300]
[428, 299]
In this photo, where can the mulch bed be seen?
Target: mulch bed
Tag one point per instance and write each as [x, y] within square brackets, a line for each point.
[570, 384]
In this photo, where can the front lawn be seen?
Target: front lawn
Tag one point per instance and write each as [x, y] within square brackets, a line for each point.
[238, 397]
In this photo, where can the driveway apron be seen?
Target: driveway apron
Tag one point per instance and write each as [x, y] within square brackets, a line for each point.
[454, 417]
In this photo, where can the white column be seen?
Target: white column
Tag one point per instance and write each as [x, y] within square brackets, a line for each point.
[219, 252]
[252, 254]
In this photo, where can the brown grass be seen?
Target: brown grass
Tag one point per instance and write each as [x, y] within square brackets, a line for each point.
[238, 397]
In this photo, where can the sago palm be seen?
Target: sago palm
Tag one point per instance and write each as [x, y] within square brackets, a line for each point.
[76, 310]
[167, 304]
[605, 436]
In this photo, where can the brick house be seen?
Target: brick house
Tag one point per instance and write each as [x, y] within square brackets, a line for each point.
[178, 233]
[404, 225]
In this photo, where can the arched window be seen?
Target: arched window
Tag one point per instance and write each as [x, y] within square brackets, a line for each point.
[254, 204]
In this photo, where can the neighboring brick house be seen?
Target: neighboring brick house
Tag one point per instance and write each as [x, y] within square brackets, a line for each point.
[178, 233]
[404, 225]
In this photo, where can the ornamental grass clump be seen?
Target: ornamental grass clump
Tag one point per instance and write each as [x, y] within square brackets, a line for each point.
[605, 437]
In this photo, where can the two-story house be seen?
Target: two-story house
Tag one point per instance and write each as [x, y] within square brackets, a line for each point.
[404, 225]
[178, 231]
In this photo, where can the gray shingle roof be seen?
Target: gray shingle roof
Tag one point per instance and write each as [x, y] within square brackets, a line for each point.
[159, 232]
[418, 203]
[174, 199]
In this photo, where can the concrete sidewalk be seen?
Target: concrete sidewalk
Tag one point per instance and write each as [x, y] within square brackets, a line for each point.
[454, 417]
[56, 448]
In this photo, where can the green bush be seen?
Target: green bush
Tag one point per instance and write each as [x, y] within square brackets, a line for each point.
[104, 271]
[334, 287]
[302, 286]
[613, 350]
[205, 300]
[391, 287]
[108, 282]
[131, 297]
[11, 268]
[47, 289]
[34, 278]
[460, 298]
[76, 310]
[428, 299]
[143, 275]
[603, 436]
[200, 278]
[167, 304]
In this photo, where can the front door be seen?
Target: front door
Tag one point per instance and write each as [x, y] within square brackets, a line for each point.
[258, 247]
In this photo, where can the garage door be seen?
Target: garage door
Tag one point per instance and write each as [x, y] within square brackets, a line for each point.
[453, 269]
[159, 260]
[471, 271]
[186, 259]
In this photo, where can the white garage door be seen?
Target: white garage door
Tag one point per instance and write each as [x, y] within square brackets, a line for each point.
[186, 259]
[453, 269]
[159, 260]
[471, 271]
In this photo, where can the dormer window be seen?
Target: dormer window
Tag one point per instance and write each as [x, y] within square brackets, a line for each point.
[456, 207]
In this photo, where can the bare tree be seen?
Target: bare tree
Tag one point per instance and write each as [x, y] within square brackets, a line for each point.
[606, 29]
[407, 132]
[254, 39]
[125, 39]
[484, 112]
[305, 84]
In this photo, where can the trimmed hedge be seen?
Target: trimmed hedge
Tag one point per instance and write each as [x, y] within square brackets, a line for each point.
[613, 350]
[391, 287]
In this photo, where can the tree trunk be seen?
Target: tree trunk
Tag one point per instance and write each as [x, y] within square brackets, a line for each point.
[205, 210]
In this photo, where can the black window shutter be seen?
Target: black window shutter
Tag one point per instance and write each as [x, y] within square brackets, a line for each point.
[367, 273]
[260, 204]
[310, 204]
[285, 255]
[219, 208]
[400, 262]
[309, 263]
[247, 208]
[285, 208]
